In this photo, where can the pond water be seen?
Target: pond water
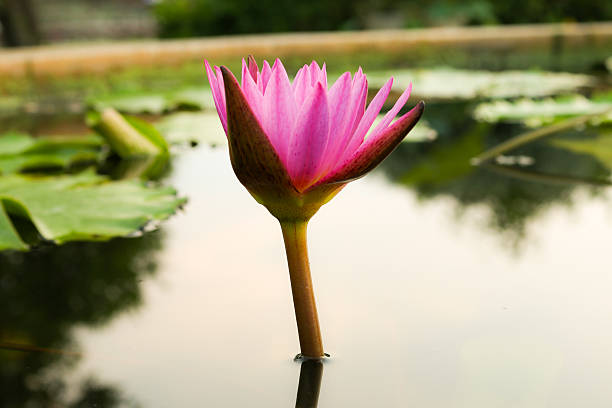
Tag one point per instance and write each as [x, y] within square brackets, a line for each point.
[439, 284]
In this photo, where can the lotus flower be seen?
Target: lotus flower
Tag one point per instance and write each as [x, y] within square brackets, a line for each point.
[294, 145]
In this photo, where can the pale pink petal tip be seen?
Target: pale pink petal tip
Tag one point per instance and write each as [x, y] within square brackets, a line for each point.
[218, 91]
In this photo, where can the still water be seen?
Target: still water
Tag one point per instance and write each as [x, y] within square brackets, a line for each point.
[425, 298]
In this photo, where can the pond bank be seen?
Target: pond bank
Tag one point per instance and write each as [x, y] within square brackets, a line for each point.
[62, 60]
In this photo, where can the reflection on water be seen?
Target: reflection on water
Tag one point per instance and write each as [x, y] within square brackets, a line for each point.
[309, 386]
[417, 309]
[44, 294]
[443, 169]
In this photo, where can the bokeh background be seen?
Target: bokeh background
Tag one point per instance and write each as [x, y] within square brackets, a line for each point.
[28, 22]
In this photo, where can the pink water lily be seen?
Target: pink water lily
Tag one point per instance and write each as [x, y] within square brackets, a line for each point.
[294, 145]
[317, 133]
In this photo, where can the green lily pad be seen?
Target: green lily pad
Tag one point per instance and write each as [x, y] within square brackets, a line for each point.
[197, 98]
[85, 206]
[535, 113]
[192, 128]
[133, 103]
[193, 99]
[20, 152]
[448, 83]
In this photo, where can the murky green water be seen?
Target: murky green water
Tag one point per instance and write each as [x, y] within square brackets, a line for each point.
[439, 284]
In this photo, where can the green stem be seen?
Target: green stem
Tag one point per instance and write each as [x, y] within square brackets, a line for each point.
[294, 234]
[543, 177]
[533, 135]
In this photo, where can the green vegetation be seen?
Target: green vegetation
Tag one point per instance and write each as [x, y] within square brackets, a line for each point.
[187, 18]
[457, 84]
[534, 113]
[20, 152]
[80, 207]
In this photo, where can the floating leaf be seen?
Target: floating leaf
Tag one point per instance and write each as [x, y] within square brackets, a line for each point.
[192, 98]
[9, 238]
[133, 103]
[199, 98]
[20, 152]
[192, 128]
[448, 83]
[535, 113]
[80, 207]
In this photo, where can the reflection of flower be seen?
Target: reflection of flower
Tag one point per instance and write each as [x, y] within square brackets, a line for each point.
[295, 145]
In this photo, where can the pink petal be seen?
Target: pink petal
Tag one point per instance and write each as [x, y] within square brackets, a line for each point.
[323, 76]
[360, 89]
[262, 81]
[354, 111]
[245, 69]
[399, 104]
[253, 157]
[314, 72]
[279, 110]
[252, 94]
[374, 150]
[301, 84]
[218, 95]
[253, 68]
[309, 139]
[367, 119]
[340, 109]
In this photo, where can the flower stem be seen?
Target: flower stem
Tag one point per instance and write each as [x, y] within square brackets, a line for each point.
[294, 234]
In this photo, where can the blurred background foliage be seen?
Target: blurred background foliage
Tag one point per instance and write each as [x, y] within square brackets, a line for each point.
[185, 18]
[28, 22]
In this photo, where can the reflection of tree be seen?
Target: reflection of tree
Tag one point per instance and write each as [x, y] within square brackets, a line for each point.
[46, 292]
[443, 168]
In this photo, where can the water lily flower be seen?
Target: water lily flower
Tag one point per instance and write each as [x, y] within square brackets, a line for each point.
[294, 145]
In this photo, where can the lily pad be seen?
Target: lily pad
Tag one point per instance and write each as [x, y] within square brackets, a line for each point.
[133, 103]
[21, 152]
[85, 206]
[192, 98]
[197, 98]
[192, 128]
[448, 83]
[535, 113]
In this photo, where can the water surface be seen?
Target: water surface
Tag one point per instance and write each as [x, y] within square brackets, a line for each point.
[425, 299]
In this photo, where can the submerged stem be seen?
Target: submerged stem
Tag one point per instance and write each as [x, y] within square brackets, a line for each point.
[294, 234]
